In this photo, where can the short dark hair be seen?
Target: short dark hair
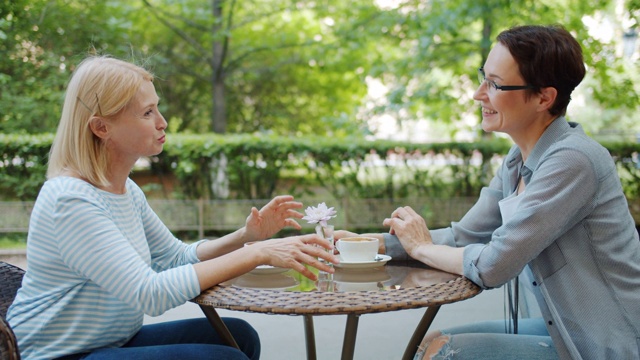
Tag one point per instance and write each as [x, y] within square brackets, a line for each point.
[547, 56]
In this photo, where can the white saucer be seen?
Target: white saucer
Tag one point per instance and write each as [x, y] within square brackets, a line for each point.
[364, 264]
[267, 269]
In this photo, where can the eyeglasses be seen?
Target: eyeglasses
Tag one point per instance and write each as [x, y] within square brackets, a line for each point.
[492, 84]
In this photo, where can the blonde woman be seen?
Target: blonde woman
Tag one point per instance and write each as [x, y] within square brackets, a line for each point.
[99, 257]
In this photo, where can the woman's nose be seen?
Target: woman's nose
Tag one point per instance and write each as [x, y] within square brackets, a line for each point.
[481, 92]
[162, 123]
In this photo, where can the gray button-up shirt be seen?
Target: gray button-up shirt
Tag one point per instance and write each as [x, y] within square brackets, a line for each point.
[573, 228]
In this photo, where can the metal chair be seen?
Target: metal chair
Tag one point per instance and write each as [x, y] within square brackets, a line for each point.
[11, 280]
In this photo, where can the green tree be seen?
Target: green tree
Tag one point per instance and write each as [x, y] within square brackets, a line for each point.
[41, 41]
[446, 41]
[261, 65]
[293, 67]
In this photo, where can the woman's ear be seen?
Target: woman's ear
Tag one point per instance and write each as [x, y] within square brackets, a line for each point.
[99, 127]
[547, 98]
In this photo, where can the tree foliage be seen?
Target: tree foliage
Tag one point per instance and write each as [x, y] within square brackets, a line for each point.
[281, 64]
[447, 41]
[297, 67]
[41, 40]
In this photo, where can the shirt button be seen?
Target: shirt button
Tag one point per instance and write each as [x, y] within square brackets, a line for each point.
[550, 322]
[535, 283]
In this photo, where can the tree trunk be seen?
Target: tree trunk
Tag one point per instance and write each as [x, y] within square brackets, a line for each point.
[219, 116]
[218, 111]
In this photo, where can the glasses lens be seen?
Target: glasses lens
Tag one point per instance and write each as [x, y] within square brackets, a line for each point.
[481, 76]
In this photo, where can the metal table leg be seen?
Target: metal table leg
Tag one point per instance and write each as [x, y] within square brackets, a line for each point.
[310, 337]
[219, 325]
[350, 331]
[420, 331]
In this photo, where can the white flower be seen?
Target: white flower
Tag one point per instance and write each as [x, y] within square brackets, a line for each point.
[319, 214]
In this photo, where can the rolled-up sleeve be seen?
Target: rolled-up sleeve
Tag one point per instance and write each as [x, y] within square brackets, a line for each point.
[471, 254]
[394, 248]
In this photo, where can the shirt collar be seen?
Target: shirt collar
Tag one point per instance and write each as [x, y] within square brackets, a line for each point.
[554, 131]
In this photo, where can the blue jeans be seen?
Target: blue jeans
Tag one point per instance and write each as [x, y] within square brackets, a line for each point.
[183, 340]
[488, 340]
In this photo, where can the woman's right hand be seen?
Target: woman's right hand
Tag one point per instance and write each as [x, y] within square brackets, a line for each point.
[294, 252]
[291, 252]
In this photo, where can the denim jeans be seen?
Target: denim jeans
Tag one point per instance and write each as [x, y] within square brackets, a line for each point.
[488, 340]
[183, 340]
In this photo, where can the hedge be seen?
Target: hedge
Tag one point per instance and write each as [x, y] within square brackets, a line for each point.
[246, 166]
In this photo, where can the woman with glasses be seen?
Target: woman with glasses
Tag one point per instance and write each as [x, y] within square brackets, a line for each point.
[555, 212]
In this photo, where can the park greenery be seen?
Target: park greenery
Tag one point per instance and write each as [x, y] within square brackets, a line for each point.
[263, 91]
[260, 166]
[299, 67]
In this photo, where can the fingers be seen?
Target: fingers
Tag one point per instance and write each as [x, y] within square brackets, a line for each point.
[313, 239]
[299, 267]
[286, 201]
[400, 219]
[388, 222]
[396, 212]
[321, 266]
[404, 212]
[282, 198]
[294, 214]
[292, 223]
[402, 216]
[315, 247]
[283, 207]
[314, 262]
[391, 222]
[299, 253]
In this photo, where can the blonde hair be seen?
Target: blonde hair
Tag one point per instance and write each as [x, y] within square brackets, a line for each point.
[101, 86]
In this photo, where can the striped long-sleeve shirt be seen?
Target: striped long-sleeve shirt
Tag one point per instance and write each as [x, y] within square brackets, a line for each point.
[96, 262]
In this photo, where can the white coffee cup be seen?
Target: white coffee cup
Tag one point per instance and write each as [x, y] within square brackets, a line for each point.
[357, 248]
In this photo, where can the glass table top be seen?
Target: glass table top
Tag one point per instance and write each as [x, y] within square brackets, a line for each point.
[390, 275]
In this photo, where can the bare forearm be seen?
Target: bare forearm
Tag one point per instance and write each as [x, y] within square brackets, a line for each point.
[441, 257]
[219, 269]
[224, 245]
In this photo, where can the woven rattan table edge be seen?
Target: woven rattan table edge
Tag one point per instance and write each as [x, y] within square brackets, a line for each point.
[336, 303]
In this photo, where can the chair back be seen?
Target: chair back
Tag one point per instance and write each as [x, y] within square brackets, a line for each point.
[11, 280]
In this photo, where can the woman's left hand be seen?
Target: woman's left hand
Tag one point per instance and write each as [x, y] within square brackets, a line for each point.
[273, 217]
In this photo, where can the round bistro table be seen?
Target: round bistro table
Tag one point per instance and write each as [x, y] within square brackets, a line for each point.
[350, 291]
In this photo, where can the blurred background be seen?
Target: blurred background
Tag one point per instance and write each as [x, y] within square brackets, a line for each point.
[363, 104]
[397, 69]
